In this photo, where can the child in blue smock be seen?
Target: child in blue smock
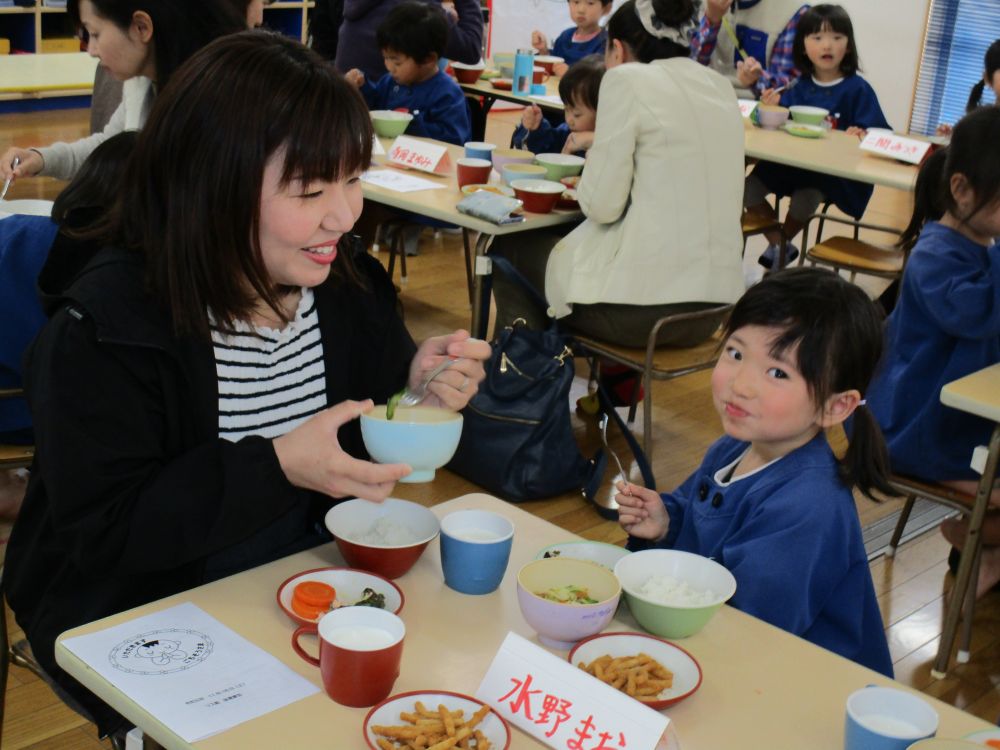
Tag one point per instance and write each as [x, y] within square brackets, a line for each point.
[770, 501]
[826, 53]
[579, 90]
[947, 322]
[585, 37]
[412, 39]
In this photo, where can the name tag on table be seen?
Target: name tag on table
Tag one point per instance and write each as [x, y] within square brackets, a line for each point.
[747, 106]
[884, 143]
[422, 155]
[562, 706]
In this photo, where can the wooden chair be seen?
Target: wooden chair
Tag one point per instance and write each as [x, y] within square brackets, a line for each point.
[961, 502]
[658, 363]
[15, 456]
[852, 254]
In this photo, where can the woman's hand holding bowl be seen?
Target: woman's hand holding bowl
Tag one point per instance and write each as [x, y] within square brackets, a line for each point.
[311, 458]
[453, 388]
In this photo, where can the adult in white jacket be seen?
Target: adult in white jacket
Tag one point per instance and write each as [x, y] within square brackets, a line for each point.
[661, 191]
[140, 42]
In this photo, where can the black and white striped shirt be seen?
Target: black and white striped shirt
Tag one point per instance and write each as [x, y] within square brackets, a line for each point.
[270, 381]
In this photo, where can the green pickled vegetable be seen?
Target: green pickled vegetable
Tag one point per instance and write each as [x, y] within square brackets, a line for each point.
[390, 407]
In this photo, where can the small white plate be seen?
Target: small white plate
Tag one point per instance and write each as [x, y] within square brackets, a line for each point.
[687, 671]
[596, 552]
[986, 737]
[387, 713]
[349, 585]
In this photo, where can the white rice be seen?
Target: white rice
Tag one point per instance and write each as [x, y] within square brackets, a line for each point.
[668, 590]
[385, 533]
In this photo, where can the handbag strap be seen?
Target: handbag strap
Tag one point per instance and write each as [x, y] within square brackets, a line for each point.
[600, 459]
[515, 275]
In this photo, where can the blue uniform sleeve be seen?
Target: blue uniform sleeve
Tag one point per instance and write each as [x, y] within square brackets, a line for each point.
[867, 113]
[963, 299]
[547, 139]
[563, 45]
[789, 554]
[444, 117]
[377, 94]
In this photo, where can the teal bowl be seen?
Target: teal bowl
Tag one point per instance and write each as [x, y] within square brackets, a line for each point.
[425, 437]
[700, 587]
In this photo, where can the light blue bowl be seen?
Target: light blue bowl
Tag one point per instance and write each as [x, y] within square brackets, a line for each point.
[511, 172]
[425, 437]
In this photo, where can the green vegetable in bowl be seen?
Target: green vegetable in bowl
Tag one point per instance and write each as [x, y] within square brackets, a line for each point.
[371, 599]
[390, 407]
[568, 595]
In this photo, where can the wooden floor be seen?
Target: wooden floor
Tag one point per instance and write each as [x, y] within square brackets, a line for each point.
[910, 588]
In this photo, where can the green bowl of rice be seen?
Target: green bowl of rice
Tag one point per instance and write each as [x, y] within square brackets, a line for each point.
[673, 594]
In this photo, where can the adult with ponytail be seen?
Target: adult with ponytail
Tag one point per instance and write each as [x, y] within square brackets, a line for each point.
[770, 501]
[140, 42]
[947, 322]
[661, 192]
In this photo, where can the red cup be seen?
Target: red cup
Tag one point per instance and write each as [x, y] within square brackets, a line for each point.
[360, 649]
[539, 75]
[473, 171]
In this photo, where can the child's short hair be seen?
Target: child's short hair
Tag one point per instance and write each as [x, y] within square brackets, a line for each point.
[604, 3]
[582, 82]
[991, 64]
[838, 334]
[825, 18]
[416, 29]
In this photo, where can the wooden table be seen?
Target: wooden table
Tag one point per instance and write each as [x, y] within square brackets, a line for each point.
[26, 76]
[979, 394]
[440, 204]
[837, 154]
[763, 689]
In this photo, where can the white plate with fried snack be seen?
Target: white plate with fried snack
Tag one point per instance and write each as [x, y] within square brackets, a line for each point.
[611, 657]
[445, 720]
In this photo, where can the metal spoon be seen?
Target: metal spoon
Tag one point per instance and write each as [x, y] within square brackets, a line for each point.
[413, 396]
[618, 463]
[6, 184]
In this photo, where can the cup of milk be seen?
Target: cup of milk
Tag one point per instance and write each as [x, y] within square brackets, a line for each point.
[881, 718]
[360, 649]
[475, 548]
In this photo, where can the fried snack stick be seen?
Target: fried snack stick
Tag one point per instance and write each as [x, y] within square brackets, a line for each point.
[447, 720]
[450, 742]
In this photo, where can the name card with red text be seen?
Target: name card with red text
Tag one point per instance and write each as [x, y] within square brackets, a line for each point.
[564, 707]
[426, 156]
[900, 147]
[747, 106]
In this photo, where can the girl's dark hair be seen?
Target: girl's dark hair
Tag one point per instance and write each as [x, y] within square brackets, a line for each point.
[626, 27]
[581, 85]
[97, 184]
[180, 27]
[191, 197]
[416, 29]
[991, 64]
[825, 18]
[926, 198]
[838, 334]
[974, 152]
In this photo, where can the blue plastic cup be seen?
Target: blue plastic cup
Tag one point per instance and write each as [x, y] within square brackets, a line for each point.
[475, 548]
[479, 150]
[881, 718]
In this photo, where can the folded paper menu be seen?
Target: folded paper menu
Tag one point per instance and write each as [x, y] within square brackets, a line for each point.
[492, 207]
[393, 179]
[191, 672]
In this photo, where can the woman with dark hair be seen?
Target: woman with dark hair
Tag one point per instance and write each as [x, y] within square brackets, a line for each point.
[661, 192]
[196, 389]
[991, 79]
[140, 42]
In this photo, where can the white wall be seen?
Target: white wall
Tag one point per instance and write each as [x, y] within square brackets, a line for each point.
[889, 34]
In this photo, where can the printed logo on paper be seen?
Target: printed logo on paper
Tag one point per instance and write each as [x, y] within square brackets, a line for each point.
[160, 652]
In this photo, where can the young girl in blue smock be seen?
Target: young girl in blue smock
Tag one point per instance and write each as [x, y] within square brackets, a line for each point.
[770, 501]
[947, 322]
[826, 53]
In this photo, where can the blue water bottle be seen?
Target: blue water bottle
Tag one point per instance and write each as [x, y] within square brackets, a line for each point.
[524, 69]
